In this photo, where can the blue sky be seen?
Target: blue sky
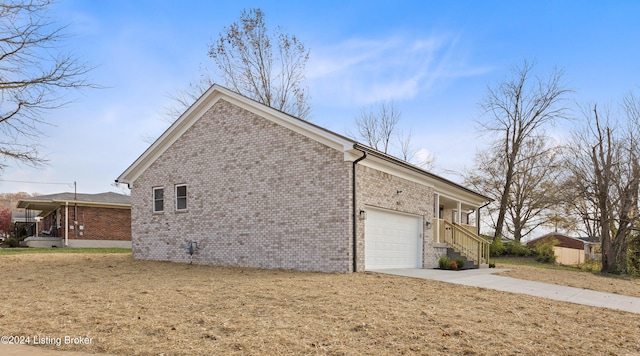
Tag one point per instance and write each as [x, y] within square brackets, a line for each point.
[433, 59]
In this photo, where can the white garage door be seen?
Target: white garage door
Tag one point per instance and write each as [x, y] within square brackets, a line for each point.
[392, 240]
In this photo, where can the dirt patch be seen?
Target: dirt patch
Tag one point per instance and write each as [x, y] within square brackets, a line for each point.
[149, 308]
[587, 280]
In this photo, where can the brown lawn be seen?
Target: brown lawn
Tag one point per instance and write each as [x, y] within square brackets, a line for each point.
[149, 308]
[587, 280]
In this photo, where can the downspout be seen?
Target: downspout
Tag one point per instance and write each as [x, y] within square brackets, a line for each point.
[355, 213]
[469, 213]
[478, 215]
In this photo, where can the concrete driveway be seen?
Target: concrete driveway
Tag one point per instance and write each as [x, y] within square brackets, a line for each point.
[25, 350]
[486, 278]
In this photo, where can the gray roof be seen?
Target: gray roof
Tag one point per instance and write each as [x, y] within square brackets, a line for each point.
[47, 203]
[107, 198]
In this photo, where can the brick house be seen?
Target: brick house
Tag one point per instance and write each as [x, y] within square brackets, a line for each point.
[234, 182]
[569, 250]
[78, 220]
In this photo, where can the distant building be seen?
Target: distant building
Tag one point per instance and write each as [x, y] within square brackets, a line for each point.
[77, 220]
[569, 250]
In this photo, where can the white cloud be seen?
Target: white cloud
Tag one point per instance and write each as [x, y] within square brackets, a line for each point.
[364, 71]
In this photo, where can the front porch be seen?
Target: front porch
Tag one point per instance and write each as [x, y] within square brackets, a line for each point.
[455, 229]
[463, 239]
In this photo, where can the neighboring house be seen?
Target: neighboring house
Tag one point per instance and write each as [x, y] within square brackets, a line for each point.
[592, 247]
[234, 182]
[78, 220]
[23, 222]
[568, 250]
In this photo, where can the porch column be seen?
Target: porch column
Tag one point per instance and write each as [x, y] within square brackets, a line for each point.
[459, 212]
[478, 221]
[66, 224]
[436, 203]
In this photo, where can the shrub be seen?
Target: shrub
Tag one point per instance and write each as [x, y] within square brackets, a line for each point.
[496, 249]
[444, 262]
[453, 265]
[492, 265]
[460, 262]
[515, 248]
[544, 253]
[591, 266]
[12, 242]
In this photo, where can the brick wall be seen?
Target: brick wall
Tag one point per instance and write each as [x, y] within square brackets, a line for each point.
[99, 223]
[258, 195]
[375, 188]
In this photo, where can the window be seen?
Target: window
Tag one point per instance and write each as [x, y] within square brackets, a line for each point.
[181, 197]
[158, 200]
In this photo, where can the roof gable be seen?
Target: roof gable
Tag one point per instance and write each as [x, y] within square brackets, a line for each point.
[206, 102]
[563, 241]
[350, 148]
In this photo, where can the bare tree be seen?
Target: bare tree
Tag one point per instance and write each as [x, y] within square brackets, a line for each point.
[516, 110]
[376, 127]
[604, 157]
[267, 68]
[534, 182]
[184, 98]
[34, 76]
[534, 192]
[407, 152]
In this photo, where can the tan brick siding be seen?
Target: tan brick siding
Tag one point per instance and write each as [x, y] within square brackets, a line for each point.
[258, 195]
[378, 189]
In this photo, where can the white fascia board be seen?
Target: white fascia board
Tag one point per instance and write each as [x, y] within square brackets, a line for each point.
[170, 136]
[302, 127]
[393, 169]
[93, 204]
[455, 193]
[208, 100]
[446, 190]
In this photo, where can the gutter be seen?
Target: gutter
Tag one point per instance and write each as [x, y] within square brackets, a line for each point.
[478, 212]
[355, 215]
[416, 169]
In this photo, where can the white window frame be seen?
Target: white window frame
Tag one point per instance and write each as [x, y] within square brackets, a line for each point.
[178, 198]
[153, 199]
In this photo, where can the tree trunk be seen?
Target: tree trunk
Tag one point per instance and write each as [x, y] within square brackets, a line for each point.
[504, 199]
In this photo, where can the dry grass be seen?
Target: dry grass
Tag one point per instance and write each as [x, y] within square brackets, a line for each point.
[579, 279]
[150, 308]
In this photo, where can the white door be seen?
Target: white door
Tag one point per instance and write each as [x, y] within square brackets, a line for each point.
[392, 240]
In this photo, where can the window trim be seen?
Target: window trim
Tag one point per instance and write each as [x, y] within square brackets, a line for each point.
[153, 199]
[178, 198]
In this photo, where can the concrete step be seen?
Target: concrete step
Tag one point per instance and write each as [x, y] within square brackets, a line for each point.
[453, 254]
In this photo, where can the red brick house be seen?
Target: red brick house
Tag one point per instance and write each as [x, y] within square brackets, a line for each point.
[568, 250]
[79, 220]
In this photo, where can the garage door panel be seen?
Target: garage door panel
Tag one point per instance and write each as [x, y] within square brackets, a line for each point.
[392, 240]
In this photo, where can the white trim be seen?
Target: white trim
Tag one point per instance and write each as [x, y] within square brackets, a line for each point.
[419, 242]
[436, 205]
[440, 188]
[206, 102]
[186, 197]
[153, 199]
[66, 224]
